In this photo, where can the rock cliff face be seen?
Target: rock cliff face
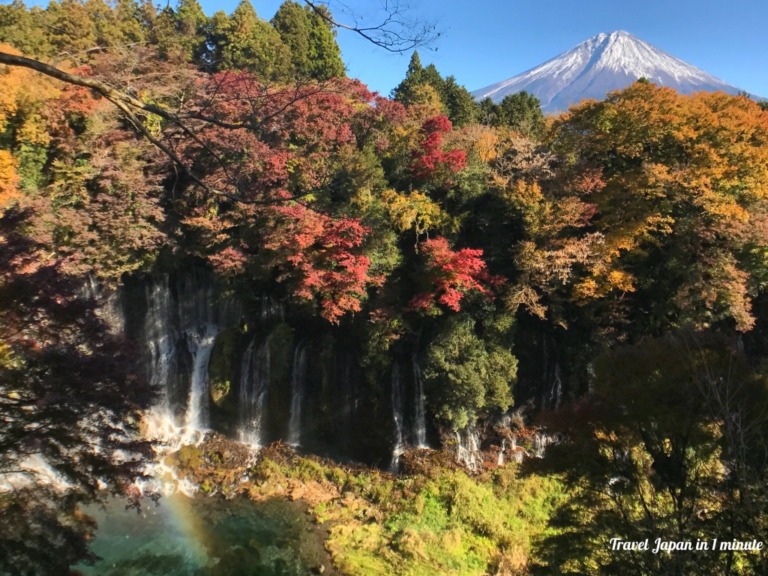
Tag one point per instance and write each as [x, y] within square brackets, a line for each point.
[600, 65]
[259, 372]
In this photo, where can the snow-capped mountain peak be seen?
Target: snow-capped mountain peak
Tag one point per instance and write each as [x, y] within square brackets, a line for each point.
[603, 63]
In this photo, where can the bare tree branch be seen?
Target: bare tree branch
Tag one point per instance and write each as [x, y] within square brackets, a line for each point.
[394, 30]
[128, 105]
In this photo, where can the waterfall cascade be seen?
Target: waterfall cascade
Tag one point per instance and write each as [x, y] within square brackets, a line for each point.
[180, 328]
[468, 447]
[420, 418]
[200, 346]
[255, 370]
[260, 377]
[298, 391]
[397, 416]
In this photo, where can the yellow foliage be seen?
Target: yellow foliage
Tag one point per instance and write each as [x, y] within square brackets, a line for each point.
[9, 180]
[22, 98]
[414, 211]
[586, 289]
[525, 192]
[481, 141]
[426, 104]
[621, 280]
[598, 286]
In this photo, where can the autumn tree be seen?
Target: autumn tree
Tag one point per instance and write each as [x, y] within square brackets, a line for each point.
[653, 454]
[455, 100]
[70, 406]
[431, 160]
[680, 195]
[450, 275]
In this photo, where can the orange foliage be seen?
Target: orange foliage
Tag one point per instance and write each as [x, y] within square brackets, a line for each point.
[9, 180]
[688, 173]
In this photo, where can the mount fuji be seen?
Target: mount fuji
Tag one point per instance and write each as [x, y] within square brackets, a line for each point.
[600, 65]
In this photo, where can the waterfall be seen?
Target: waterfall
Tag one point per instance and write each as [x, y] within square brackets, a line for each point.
[419, 418]
[298, 384]
[271, 310]
[200, 347]
[500, 460]
[397, 416]
[161, 339]
[542, 439]
[557, 388]
[180, 329]
[468, 447]
[255, 373]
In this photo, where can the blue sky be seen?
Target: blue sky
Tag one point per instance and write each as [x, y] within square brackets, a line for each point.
[485, 41]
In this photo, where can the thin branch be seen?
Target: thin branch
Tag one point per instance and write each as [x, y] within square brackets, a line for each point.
[128, 104]
[394, 33]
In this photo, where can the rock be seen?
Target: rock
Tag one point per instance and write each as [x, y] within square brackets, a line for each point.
[319, 569]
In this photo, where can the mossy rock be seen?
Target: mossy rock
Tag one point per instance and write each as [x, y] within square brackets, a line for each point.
[189, 458]
[223, 374]
[281, 341]
[224, 364]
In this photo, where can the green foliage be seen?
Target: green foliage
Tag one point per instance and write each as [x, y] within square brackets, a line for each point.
[32, 160]
[325, 54]
[454, 98]
[467, 375]
[405, 91]
[520, 111]
[24, 29]
[293, 24]
[656, 456]
[452, 524]
[245, 42]
[462, 109]
[73, 29]
[314, 51]
[443, 522]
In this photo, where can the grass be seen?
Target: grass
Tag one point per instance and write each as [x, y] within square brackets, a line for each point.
[441, 521]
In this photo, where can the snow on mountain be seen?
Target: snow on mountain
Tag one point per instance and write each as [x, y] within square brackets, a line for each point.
[600, 65]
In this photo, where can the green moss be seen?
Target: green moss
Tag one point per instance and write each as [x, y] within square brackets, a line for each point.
[309, 470]
[189, 458]
[225, 359]
[219, 390]
[280, 347]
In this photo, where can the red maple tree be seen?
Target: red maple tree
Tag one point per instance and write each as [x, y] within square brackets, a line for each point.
[452, 274]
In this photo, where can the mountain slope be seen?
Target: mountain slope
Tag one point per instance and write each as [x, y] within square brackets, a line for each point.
[603, 63]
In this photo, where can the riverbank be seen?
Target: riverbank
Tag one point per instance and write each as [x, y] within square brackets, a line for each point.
[434, 518]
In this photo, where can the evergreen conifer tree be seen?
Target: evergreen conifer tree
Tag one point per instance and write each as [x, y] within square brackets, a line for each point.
[245, 42]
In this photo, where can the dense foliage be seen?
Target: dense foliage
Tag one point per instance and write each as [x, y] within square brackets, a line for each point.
[613, 258]
[70, 406]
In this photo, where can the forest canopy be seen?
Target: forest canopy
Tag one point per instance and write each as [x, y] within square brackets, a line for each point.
[616, 252]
